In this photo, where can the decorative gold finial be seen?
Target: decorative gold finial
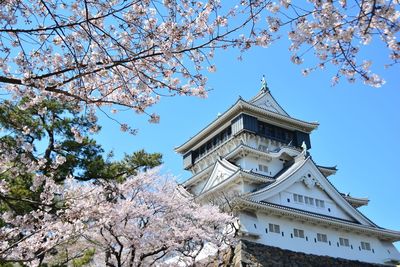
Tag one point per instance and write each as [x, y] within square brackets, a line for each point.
[264, 85]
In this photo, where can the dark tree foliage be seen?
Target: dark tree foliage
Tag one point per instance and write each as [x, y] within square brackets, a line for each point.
[60, 138]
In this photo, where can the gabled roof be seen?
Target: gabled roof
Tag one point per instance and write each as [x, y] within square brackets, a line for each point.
[291, 175]
[238, 175]
[252, 108]
[222, 170]
[289, 150]
[265, 100]
[195, 178]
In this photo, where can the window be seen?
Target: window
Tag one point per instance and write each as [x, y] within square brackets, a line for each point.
[274, 228]
[210, 145]
[275, 132]
[320, 203]
[344, 242]
[309, 201]
[298, 198]
[262, 168]
[288, 136]
[322, 238]
[271, 131]
[365, 245]
[298, 233]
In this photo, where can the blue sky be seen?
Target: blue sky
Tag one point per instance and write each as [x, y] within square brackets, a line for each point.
[359, 125]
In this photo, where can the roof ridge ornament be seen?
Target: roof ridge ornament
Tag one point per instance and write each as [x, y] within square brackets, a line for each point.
[303, 153]
[304, 146]
[264, 86]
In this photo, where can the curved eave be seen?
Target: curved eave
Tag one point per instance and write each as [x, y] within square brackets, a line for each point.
[281, 120]
[251, 109]
[356, 201]
[327, 171]
[288, 149]
[381, 233]
[193, 180]
[257, 177]
[241, 148]
[209, 128]
[293, 152]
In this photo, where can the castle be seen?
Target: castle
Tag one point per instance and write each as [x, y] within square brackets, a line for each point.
[256, 155]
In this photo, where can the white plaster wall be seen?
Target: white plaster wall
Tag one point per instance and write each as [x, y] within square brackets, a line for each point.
[250, 222]
[257, 225]
[249, 187]
[330, 209]
[251, 163]
[252, 142]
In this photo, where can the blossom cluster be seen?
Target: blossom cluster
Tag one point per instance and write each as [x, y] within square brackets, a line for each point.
[146, 218]
[130, 53]
[337, 32]
[117, 53]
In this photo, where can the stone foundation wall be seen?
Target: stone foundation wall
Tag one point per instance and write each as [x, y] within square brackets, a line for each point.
[257, 255]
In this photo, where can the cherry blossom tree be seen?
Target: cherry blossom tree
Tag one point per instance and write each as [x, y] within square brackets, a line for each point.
[144, 220]
[129, 53]
[121, 53]
[61, 200]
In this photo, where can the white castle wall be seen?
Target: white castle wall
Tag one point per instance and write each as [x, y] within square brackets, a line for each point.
[379, 253]
[286, 198]
[256, 224]
[250, 163]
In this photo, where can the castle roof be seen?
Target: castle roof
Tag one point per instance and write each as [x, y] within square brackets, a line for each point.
[263, 105]
[254, 158]
[297, 172]
[289, 150]
[357, 222]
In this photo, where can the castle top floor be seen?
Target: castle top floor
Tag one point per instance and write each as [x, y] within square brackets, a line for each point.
[261, 115]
